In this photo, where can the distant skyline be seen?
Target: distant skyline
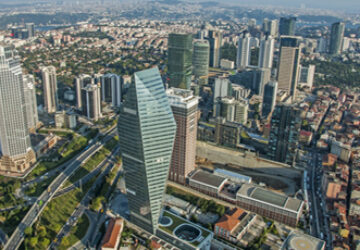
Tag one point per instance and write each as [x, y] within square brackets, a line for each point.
[336, 5]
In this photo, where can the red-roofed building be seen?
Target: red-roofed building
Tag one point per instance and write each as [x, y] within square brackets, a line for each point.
[305, 137]
[233, 225]
[112, 236]
[333, 190]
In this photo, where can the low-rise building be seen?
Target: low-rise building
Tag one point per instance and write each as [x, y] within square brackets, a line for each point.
[112, 236]
[270, 204]
[301, 241]
[207, 183]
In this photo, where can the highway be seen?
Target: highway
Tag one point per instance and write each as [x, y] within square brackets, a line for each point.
[80, 209]
[18, 235]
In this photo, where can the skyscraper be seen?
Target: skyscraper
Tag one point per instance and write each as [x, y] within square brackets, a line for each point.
[201, 61]
[50, 88]
[306, 75]
[91, 101]
[147, 131]
[284, 133]
[222, 87]
[289, 62]
[17, 154]
[184, 106]
[80, 82]
[336, 38]
[260, 78]
[215, 41]
[287, 26]
[269, 98]
[232, 110]
[30, 102]
[270, 27]
[30, 27]
[266, 53]
[111, 89]
[180, 60]
[243, 51]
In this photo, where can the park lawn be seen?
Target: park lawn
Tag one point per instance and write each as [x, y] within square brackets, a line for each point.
[7, 190]
[90, 165]
[59, 210]
[76, 233]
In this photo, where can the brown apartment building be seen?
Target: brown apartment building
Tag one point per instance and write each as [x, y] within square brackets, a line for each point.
[185, 109]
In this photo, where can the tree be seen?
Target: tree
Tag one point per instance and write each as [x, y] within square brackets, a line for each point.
[42, 231]
[45, 242]
[33, 242]
[28, 231]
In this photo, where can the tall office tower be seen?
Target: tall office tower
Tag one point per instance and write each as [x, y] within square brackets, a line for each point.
[284, 133]
[50, 88]
[111, 89]
[270, 27]
[266, 52]
[222, 87]
[17, 154]
[261, 77]
[269, 98]
[201, 61]
[146, 131]
[215, 41]
[184, 106]
[306, 76]
[289, 62]
[336, 38]
[180, 60]
[32, 117]
[80, 82]
[243, 51]
[232, 110]
[322, 45]
[30, 27]
[287, 26]
[91, 101]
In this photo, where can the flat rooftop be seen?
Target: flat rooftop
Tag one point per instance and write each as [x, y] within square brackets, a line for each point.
[270, 197]
[208, 178]
[301, 241]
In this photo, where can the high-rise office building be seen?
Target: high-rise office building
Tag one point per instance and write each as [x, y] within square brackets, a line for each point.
[201, 61]
[270, 27]
[284, 133]
[287, 26]
[336, 38]
[30, 27]
[222, 87]
[146, 131]
[111, 89]
[80, 82]
[215, 41]
[50, 88]
[16, 153]
[184, 106]
[322, 45]
[266, 52]
[306, 76]
[91, 101]
[289, 62]
[232, 110]
[32, 117]
[269, 98]
[261, 77]
[243, 51]
[180, 49]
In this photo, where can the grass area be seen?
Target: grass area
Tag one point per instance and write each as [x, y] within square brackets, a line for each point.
[104, 189]
[76, 233]
[37, 188]
[111, 144]
[10, 219]
[66, 152]
[54, 217]
[59, 133]
[7, 190]
[90, 164]
[204, 204]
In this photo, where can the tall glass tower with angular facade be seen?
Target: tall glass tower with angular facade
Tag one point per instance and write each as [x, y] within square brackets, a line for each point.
[180, 60]
[146, 131]
[337, 37]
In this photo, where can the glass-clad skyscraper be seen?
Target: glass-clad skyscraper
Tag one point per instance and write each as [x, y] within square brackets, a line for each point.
[180, 60]
[146, 131]
[337, 37]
